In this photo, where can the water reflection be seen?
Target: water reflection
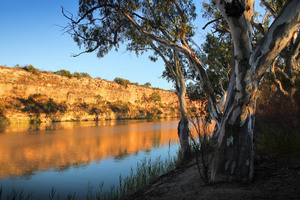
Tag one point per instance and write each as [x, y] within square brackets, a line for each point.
[26, 150]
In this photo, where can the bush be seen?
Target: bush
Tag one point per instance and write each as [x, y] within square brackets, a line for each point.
[122, 81]
[277, 141]
[81, 75]
[31, 69]
[84, 74]
[147, 84]
[2, 109]
[64, 72]
[277, 121]
[50, 107]
[77, 75]
[119, 107]
[155, 96]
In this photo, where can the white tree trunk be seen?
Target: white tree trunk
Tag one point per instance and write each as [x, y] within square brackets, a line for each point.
[183, 125]
[234, 153]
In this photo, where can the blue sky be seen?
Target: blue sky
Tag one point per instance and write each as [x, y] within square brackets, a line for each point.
[29, 35]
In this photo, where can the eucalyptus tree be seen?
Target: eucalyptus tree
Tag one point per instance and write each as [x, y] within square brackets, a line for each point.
[174, 72]
[285, 69]
[120, 24]
[175, 65]
[101, 25]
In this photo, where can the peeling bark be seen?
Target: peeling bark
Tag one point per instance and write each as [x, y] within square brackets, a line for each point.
[234, 153]
[183, 125]
[183, 134]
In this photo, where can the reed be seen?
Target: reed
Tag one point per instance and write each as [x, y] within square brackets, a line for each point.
[16, 195]
[146, 172]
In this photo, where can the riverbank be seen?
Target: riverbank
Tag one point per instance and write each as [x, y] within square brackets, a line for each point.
[40, 96]
[275, 178]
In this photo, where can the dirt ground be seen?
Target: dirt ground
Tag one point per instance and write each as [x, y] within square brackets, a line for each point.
[275, 178]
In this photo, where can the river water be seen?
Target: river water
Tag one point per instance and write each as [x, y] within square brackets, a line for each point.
[77, 156]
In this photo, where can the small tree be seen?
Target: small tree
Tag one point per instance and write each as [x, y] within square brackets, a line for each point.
[122, 81]
[148, 84]
[64, 72]
[50, 107]
[31, 69]
[77, 75]
[155, 97]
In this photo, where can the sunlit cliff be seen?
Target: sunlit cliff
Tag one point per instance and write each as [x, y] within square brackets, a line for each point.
[45, 96]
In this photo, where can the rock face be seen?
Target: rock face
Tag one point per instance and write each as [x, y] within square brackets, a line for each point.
[45, 96]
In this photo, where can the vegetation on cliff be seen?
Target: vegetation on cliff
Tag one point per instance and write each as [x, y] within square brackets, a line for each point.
[33, 95]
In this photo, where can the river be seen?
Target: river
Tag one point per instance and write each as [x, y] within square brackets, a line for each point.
[78, 156]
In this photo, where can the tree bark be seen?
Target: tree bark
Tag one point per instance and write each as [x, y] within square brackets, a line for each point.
[183, 125]
[178, 78]
[234, 153]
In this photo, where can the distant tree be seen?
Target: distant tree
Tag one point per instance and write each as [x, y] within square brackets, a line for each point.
[81, 75]
[77, 75]
[31, 69]
[64, 72]
[122, 81]
[155, 97]
[50, 107]
[85, 74]
[148, 84]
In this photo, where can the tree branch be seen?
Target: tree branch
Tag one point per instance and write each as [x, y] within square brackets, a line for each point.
[208, 23]
[269, 8]
[277, 37]
[258, 27]
[277, 81]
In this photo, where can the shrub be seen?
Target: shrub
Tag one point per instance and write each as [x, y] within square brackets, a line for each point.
[2, 109]
[77, 75]
[147, 84]
[155, 96]
[85, 74]
[159, 112]
[202, 146]
[31, 69]
[122, 81]
[119, 107]
[99, 99]
[278, 141]
[50, 107]
[81, 75]
[64, 72]
[277, 121]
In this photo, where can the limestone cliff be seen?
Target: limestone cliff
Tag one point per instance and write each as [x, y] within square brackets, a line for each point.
[45, 96]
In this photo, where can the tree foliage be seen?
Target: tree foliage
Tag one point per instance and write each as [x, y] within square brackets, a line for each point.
[64, 72]
[122, 81]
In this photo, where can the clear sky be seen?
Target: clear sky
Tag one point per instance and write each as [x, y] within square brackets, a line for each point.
[29, 35]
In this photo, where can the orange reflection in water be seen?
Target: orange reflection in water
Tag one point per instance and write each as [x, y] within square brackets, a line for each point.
[22, 153]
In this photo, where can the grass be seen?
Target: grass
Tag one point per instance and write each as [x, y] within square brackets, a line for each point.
[276, 141]
[146, 172]
[16, 195]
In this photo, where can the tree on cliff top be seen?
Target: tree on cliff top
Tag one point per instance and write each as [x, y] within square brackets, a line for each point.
[102, 25]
